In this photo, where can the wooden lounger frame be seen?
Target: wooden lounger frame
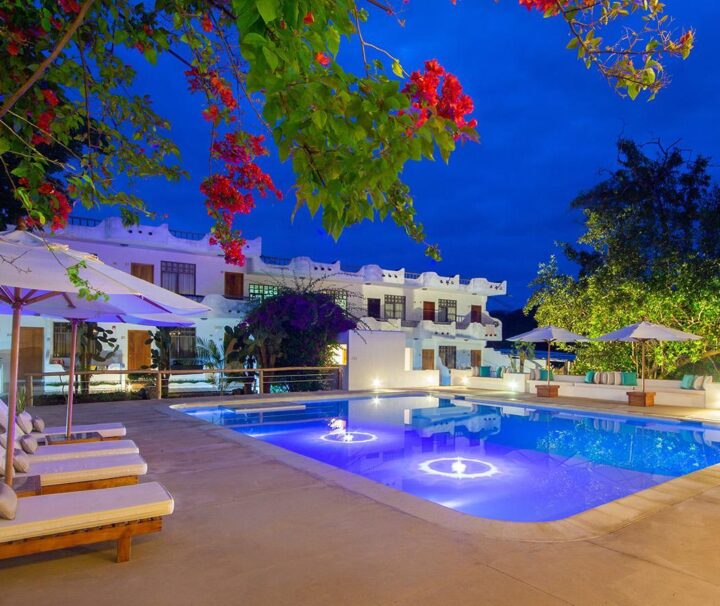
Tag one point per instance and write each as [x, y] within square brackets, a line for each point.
[89, 485]
[122, 533]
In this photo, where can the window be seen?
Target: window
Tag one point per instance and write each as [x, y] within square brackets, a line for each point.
[338, 295]
[178, 277]
[394, 307]
[234, 285]
[428, 359]
[476, 357]
[447, 310]
[373, 308]
[61, 340]
[183, 344]
[144, 271]
[262, 291]
[448, 355]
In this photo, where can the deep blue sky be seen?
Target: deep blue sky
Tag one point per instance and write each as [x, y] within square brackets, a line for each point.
[548, 128]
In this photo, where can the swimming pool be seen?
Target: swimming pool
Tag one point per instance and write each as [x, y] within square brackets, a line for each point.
[497, 461]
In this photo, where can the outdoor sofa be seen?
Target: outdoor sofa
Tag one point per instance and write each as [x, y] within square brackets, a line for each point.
[58, 521]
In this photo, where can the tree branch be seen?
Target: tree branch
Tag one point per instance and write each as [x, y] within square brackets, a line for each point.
[13, 99]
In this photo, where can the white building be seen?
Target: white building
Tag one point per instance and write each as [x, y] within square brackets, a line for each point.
[442, 319]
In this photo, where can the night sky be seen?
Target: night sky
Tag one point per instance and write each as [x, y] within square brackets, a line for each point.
[548, 129]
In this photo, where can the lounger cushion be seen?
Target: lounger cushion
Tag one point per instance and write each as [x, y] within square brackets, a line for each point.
[24, 421]
[589, 376]
[698, 382]
[21, 461]
[8, 502]
[629, 378]
[28, 444]
[38, 424]
[618, 377]
[55, 513]
[106, 430]
[84, 449]
[88, 469]
[596, 378]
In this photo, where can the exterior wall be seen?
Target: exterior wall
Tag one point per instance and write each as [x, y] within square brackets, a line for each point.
[377, 359]
[121, 247]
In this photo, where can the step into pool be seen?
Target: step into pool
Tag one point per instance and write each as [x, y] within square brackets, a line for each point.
[504, 462]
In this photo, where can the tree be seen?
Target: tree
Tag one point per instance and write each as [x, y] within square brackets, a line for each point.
[92, 341]
[651, 250]
[348, 134]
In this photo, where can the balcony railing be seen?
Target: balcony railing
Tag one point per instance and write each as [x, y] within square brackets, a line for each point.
[197, 298]
[187, 235]
[279, 261]
[83, 221]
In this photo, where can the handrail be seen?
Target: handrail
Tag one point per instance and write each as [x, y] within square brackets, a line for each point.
[162, 375]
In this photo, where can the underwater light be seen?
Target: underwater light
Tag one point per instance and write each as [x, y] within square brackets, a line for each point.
[459, 468]
[349, 437]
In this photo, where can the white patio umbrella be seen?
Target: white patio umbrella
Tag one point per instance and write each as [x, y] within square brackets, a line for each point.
[33, 277]
[642, 332]
[549, 334]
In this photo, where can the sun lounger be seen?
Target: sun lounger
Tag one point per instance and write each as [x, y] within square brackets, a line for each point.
[108, 431]
[87, 449]
[86, 473]
[58, 521]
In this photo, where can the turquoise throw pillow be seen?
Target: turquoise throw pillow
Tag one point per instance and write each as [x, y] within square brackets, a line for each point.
[687, 382]
[500, 373]
[629, 378]
[544, 375]
[589, 376]
[484, 371]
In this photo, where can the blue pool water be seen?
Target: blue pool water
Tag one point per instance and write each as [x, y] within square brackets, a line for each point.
[495, 461]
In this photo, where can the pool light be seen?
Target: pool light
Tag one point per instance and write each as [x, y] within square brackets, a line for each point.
[465, 380]
[348, 437]
[376, 382]
[459, 468]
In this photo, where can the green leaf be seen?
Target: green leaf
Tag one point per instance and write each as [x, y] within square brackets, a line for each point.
[397, 68]
[267, 9]
[270, 57]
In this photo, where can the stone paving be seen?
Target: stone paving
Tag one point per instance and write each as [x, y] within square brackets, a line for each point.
[249, 529]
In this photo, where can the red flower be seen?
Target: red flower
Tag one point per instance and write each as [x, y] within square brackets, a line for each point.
[207, 24]
[69, 6]
[309, 18]
[13, 48]
[322, 59]
[50, 97]
[211, 113]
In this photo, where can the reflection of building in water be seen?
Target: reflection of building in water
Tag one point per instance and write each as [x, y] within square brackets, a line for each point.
[474, 422]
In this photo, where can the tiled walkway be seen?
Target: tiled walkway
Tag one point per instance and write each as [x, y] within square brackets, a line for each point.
[251, 530]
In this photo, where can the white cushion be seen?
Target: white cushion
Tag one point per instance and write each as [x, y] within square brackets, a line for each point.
[38, 424]
[29, 444]
[106, 430]
[84, 449]
[54, 513]
[596, 378]
[618, 377]
[8, 502]
[24, 421]
[21, 461]
[698, 382]
[87, 469]
[610, 378]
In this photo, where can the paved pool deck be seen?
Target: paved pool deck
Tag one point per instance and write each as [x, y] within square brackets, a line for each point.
[250, 529]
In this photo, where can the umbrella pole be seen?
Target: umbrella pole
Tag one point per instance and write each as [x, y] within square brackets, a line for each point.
[71, 377]
[548, 365]
[12, 389]
[642, 346]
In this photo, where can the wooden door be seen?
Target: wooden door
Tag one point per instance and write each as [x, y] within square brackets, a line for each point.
[476, 357]
[31, 351]
[138, 350]
[429, 310]
[428, 359]
[144, 271]
[476, 313]
[234, 284]
[373, 308]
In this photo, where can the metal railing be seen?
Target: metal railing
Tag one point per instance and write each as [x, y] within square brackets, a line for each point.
[187, 235]
[152, 383]
[83, 221]
[279, 261]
